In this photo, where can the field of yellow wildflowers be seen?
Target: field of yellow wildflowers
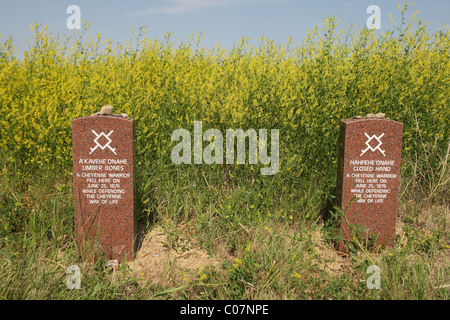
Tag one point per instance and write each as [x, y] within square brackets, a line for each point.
[267, 230]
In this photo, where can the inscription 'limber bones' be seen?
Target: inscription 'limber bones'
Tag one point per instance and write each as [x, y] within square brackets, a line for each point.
[102, 164]
[102, 186]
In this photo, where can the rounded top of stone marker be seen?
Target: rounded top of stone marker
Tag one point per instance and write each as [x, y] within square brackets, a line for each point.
[369, 118]
[372, 116]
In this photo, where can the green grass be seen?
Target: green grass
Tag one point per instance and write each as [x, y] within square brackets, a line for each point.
[268, 243]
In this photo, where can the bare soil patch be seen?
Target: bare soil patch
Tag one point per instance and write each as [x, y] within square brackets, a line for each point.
[159, 263]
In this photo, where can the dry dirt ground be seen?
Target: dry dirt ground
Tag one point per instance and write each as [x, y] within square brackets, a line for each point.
[157, 262]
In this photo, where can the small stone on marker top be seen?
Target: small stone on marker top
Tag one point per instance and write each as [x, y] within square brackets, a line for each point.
[106, 109]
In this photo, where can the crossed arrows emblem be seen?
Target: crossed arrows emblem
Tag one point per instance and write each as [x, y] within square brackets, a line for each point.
[98, 145]
[369, 147]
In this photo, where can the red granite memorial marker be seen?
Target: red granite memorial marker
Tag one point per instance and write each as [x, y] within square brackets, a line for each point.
[368, 179]
[103, 155]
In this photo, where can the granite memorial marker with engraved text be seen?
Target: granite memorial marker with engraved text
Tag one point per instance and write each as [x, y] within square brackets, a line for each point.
[103, 155]
[368, 178]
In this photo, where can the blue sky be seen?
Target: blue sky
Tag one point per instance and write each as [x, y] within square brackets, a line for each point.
[222, 21]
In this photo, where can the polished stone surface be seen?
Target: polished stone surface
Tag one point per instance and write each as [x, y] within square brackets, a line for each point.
[368, 177]
[103, 175]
